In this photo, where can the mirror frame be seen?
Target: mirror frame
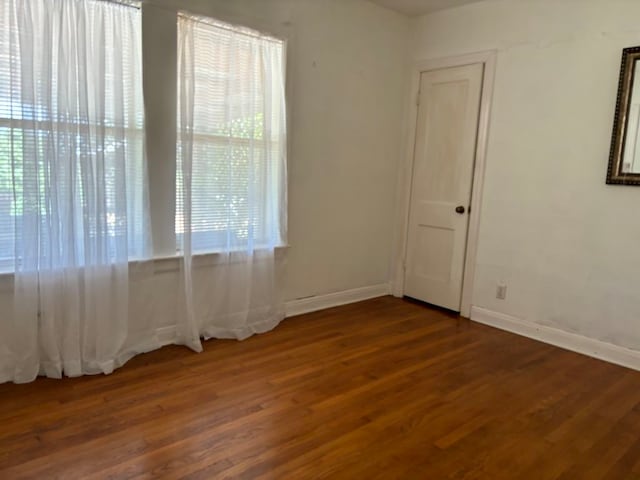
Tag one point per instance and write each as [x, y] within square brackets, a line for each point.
[615, 175]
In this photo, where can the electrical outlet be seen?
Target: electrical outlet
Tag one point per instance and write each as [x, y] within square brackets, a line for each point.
[501, 291]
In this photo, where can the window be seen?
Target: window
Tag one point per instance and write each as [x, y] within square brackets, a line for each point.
[72, 126]
[71, 133]
[232, 127]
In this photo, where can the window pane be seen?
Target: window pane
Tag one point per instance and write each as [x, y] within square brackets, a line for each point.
[8, 207]
[72, 169]
[235, 126]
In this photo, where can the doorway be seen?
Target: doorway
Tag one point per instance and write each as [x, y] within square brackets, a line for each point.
[443, 180]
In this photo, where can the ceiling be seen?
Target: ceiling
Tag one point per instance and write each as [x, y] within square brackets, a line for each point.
[421, 7]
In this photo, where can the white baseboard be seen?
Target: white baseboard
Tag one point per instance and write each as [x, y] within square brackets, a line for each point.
[569, 341]
[320, 302]
[166, 335]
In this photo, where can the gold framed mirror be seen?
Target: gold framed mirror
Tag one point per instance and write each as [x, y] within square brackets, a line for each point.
[624, 159]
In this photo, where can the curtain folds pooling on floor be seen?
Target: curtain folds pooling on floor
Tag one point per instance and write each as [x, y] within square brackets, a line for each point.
[76, 214]
[231, 129]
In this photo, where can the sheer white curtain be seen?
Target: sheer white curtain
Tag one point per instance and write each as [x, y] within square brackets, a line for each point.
[231, 180]
[72, 121]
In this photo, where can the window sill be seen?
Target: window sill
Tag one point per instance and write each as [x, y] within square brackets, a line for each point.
[164, 264]
[171, 263]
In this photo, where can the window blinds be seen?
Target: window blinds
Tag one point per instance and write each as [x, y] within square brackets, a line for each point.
[232, 128]
[71, 131]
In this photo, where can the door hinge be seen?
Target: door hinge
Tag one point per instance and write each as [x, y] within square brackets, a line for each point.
[418, 99]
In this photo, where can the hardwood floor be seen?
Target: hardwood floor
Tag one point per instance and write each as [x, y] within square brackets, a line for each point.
[382, 389]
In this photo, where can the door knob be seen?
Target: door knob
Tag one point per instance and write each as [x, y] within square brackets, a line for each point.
[460, 210]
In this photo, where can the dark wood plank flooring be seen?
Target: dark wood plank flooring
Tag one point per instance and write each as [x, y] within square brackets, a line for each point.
[382, 389]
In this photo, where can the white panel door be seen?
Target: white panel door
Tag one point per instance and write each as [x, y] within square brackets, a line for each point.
[446, 132]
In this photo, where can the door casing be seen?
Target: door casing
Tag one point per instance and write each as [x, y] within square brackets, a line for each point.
[488, 59]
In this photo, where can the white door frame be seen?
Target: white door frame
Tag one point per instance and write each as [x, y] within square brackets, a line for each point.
[488, 59]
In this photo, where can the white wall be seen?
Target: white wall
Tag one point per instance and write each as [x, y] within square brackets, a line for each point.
[563, 241]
